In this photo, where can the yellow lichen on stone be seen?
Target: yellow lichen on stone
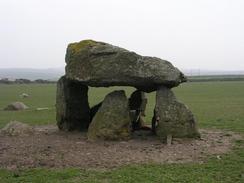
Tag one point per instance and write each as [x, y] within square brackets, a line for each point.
[82, 44]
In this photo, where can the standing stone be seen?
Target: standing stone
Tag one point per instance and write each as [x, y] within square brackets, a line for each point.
[72, 107]
[112, 121]
[173, 117]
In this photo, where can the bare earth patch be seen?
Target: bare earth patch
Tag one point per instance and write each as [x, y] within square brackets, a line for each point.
[49, 147]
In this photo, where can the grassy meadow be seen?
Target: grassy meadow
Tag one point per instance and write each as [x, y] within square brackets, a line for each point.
[214, 104]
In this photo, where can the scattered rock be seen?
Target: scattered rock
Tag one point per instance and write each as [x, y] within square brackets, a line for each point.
[112, 121]
[24, 95]
[42, 108]
[15, 128]
[101, 64]
[16, 106]
[174, 118]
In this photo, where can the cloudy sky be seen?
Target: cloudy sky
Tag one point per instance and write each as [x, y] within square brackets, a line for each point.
[202, 34]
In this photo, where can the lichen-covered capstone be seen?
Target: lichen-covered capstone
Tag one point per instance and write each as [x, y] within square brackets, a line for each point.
[101, 64]
[172, 117]
[72, 107]
[112, 121]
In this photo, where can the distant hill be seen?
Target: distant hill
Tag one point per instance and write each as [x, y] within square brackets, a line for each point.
[32, 74]
[202, 72]
[53, 74]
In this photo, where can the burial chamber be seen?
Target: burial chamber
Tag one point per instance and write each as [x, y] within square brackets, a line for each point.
[98, 64]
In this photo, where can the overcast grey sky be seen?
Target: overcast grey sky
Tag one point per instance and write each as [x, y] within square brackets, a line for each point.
[205, 34]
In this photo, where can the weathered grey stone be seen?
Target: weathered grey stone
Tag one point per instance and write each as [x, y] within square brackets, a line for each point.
[24, 95]
[15, 128]
[112, 121]
[72, 108]
[173, 117]
[101, 64]
[16, 106]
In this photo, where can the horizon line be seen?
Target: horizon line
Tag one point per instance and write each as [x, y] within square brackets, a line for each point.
[185, 69]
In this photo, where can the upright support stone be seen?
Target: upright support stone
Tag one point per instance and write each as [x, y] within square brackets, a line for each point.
[112, 121]
[72, 107]
[172, 117]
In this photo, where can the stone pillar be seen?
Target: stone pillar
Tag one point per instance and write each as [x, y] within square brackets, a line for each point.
[172, 117]
[72, 107]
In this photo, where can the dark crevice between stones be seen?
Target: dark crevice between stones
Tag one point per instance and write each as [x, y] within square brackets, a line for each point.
[94, 110]
[137, 105]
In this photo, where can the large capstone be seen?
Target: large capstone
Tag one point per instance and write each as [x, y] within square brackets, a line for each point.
[172, 117]
[72, 107]
[112, 121]
[101, 65]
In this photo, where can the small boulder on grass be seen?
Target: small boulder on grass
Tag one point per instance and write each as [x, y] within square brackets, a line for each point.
[15, 128]
[24, 95]
[16, 106]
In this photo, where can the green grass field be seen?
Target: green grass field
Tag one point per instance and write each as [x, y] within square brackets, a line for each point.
[215, 105]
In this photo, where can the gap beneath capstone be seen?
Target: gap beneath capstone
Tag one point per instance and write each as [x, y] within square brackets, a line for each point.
[118, 116]
[136, 102]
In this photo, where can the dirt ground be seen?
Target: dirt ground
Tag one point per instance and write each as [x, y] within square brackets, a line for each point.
[49, 147]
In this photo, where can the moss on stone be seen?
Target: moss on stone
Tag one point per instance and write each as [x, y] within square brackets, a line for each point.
[82, 44]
